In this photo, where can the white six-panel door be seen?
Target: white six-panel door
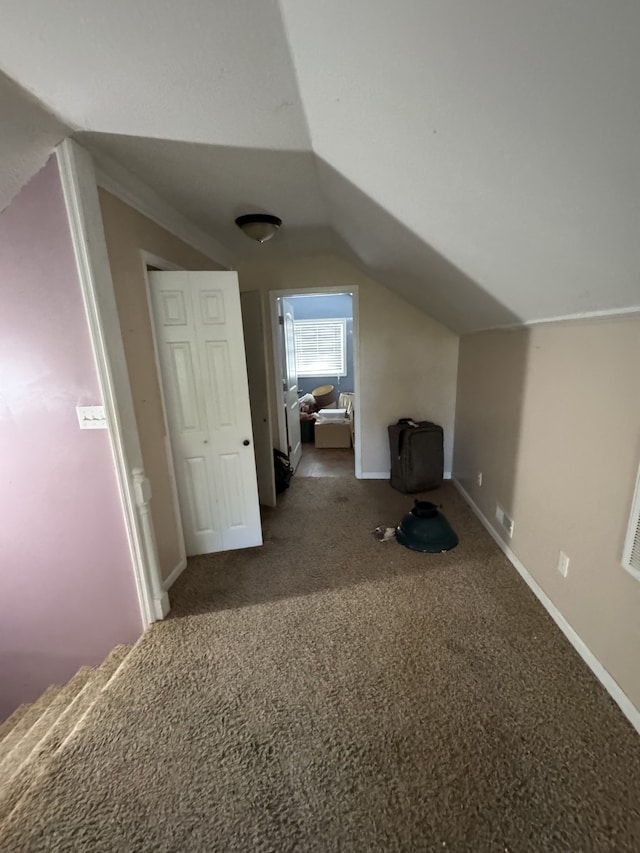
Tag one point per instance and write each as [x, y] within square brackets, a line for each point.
[198, 329]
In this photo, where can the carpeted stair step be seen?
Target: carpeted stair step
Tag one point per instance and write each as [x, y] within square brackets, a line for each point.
[14, 788]
[28, 719]
[60, 702]
[11, 722]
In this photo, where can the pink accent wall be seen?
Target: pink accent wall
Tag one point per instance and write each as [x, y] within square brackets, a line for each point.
[67, 591]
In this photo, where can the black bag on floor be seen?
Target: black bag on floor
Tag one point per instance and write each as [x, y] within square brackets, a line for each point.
[282, 470]
[417, 455]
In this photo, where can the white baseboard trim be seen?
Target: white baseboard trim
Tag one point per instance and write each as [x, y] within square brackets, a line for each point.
[386, 475]
[608, 682]
[162, 605]
[175, 574]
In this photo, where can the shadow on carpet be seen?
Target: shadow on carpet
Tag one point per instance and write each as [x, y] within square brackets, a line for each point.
[329, 692]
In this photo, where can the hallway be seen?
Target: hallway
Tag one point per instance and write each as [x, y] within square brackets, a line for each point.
[326, 462]
[328, 692]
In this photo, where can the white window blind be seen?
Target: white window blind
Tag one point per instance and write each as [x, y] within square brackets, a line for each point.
[321, 347]
[631, 555]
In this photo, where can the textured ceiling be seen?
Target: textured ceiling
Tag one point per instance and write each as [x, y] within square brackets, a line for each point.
[480, 158]
[28, 133]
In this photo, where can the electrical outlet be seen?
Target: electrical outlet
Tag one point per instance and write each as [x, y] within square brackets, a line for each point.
[508, 525]
[479, 478]
[504, 520]
[563, 564]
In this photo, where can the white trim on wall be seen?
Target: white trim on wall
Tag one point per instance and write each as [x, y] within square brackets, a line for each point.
[118, 181]
[608, 682]
[85, 221]
[386, 475]
[149, 259]
[175, 574]
[586, 316]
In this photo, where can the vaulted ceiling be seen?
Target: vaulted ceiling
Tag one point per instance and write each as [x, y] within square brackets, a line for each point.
[481, 158]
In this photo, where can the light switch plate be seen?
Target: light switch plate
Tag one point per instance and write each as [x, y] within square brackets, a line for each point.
[91, 417]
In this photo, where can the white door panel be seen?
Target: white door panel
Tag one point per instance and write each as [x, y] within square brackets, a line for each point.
[198, 329]
[197, 477]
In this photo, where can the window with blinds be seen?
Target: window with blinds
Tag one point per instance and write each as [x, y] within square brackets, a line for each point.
[321, 347]
[631, 555]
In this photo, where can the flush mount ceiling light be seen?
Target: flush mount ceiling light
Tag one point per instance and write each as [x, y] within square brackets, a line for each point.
[259, 226]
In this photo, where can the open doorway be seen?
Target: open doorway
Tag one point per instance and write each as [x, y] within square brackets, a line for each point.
[316, 350]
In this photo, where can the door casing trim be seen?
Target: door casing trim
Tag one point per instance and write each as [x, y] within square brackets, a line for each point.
[82, 204]
[274, 295]
[149, 259]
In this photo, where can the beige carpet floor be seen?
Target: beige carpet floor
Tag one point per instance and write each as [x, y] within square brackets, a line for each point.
[329, 692]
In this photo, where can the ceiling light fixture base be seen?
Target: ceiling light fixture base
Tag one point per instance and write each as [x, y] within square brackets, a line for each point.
[259, 226]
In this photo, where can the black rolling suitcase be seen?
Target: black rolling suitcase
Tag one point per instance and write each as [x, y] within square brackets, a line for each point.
[417, 455]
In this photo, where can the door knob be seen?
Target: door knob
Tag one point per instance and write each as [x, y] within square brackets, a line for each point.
[246, 442]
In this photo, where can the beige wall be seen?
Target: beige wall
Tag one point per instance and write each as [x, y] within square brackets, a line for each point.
[408, 362]
[128, 232]
[551, 416]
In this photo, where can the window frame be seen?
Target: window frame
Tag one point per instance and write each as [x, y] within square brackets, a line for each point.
[327, 370]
